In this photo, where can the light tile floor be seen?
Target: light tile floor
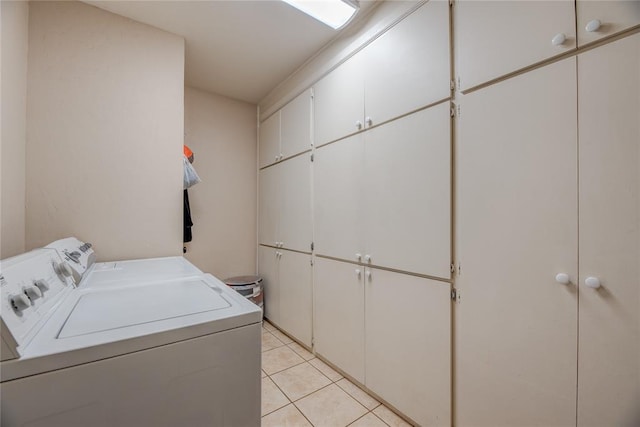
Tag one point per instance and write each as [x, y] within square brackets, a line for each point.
[300, 390]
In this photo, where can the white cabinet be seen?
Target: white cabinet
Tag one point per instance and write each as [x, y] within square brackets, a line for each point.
[287, 132]
[338, 327]
[390, 331]
[516, 203]
[285, 204]
[495, 38]
[408, 344]
[609, 328]
[603, 18]
[383, 197]
[286, 279]
[403, 70]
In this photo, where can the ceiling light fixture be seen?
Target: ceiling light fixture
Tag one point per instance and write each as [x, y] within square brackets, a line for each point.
[334, 13]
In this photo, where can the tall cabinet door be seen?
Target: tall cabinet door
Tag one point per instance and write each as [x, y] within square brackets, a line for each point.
[296, 125]
[408, 193]
[295, 295]
[408, 66]
[602, 18]
[516, 210]
[268, 271]
[408, 344]
[339, 102]
[269, 205]
[338, 295]
[494, 38]
[294, 227]
[269, 134]
[338, 215]
[609, 348]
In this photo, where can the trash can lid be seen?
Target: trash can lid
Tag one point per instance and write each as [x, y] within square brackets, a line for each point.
[242, 280]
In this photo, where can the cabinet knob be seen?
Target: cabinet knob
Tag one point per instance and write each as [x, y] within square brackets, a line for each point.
[368, 121]
[359, 257]
[593, 25]
[281, 156]
[558, 39]
[358, 124]
[367, 258]
[563, 278]
[368, 274]
[592, 282]
[358, 273]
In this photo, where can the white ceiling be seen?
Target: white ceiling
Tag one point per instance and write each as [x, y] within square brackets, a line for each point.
[237, 48]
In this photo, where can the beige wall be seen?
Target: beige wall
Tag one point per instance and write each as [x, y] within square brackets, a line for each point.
[222, 134]
[15, 31]
[104, 132]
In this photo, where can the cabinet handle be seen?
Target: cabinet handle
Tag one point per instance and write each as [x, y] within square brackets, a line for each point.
[592, 282]
[276, 158]
[359, 257]
[367, 258]
[358, 273]
[368, 274]
[368, 121]
[593, 25]
[281, 156]
[358, 124]
[558, 39]
[563, 278]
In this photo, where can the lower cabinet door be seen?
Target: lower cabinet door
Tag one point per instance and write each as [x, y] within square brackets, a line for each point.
[408, 344]
[295, 295]
[268, 271]
[338, 295]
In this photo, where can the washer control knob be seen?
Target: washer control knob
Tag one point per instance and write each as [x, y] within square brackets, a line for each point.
[33, 292]
[42, 285]
[62, 268]
[19, 302]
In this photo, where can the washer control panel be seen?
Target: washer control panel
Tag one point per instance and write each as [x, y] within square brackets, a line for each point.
[30, 286]
[79, 255]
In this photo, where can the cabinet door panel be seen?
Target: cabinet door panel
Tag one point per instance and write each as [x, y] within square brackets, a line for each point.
[269, 201]
[295, 228]
[339, 102]
[296, 125]
[338, 295]
[494, 38]
[516, 210]
[338, 215]
[408, 344]
[268, 270]
[295, 295]
[269, 134]
[614, 16]
[408, 193]
[408, 66]
[609, 347]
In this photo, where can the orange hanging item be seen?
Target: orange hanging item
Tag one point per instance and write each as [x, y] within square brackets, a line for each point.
[188, 153]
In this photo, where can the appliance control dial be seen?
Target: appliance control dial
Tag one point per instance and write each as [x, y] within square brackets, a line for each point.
[19, 302]
[42, 285]
[62, 268]
[33, 292]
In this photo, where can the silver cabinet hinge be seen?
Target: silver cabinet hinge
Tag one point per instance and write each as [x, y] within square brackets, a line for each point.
[454, 294]
[452, 84]
[311, 245]
[450, 2]
[312, 157]
[452, 268]
[452, 110]
[311, 262]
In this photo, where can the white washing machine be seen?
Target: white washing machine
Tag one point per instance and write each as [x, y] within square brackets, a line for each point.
[134, 343]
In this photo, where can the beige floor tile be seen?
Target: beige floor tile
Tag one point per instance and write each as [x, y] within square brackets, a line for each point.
[281, 336]
[272, 397]
[368, 420]
[279, 359]
[390, 417]
[300, 381]
[330, 407]
[268, 326]
[358, 394]
[269, 341]
[302, 352]
[289, 416]
[332, 374]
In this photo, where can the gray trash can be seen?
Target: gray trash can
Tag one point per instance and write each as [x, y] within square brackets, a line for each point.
[250, 287]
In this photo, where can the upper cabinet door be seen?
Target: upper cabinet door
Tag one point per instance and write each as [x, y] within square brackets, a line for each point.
[408, 67]
[609, 344]
[516, 229]
[408, 193]
[495, 38]
[295, 123]
[339, 102]
[269, 143]
[602, 18]
[294, 227]
[338, 215]
[269, 205]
